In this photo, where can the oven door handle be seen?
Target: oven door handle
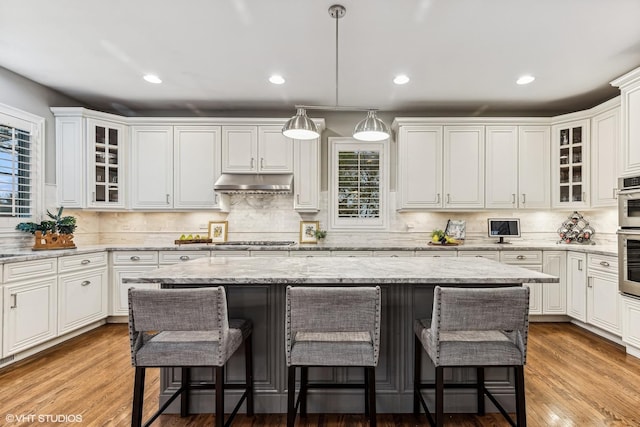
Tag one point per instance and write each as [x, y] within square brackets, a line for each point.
[630, 191]
[629, 232]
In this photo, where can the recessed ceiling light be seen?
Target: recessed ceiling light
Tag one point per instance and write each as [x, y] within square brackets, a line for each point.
[276, 79]
[152, 78]
[525, 80]
[401, 79]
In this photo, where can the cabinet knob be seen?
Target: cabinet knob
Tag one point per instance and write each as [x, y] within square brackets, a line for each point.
[184, 258]
[85, 283]
[520, 257]
[85, 261]
[135, 258]
[604, 263]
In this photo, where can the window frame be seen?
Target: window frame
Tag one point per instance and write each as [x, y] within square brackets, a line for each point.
[337, 144]
[23, 120]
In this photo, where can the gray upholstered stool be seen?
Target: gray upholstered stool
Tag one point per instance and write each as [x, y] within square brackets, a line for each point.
[331, 326]
[474, 328]
[186, 328]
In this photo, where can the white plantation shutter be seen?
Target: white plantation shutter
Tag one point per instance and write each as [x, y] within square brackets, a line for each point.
[16, 176]
[357, 184]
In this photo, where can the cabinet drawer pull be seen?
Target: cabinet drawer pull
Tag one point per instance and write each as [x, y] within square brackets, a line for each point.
[394, 256]
[167, 199]
[15, 300]
[579, 265]
[438, 198]
[589, 282]
[135, 258]
[524, 198]
[604, 263]
[520, 257]
[252, 163]
[85, 283]
[184, 258]
[261, 162]
[448, 198]
[85, 261]
[513, 198]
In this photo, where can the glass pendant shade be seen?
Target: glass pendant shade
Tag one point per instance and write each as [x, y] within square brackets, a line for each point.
[371, 129]
[300, 126]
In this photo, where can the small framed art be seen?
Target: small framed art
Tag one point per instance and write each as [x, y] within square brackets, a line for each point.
[308, 231]
[218, 231]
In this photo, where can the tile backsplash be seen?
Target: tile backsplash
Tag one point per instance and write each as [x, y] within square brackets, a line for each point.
[273, 218]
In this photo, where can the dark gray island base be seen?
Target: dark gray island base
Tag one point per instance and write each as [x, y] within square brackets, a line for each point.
[256, 290]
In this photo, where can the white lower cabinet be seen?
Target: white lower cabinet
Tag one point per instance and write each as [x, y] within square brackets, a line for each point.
[129, 264]
[29, 315]
[82, 298]
[603, 298]
[631, 324]
[577, 285]
[554, 295]
[531, 260]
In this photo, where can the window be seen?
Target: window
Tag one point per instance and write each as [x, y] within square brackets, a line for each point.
[20, 186]
[358, 182]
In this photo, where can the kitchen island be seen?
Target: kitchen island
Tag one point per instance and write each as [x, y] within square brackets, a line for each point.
[256, 290]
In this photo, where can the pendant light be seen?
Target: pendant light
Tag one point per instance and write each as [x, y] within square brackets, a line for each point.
[301, 126]
[371, 128]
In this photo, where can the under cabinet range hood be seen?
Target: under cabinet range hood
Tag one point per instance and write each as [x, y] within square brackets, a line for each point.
[231, 183]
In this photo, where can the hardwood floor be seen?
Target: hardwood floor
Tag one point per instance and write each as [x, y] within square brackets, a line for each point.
[573, 378]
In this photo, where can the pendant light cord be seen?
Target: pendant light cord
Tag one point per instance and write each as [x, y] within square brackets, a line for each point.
[337, 18]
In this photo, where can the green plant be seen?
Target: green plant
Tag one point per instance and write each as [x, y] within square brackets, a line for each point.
[320, 234]
[57, 224]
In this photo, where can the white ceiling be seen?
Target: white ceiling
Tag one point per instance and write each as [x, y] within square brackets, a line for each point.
[463, 56]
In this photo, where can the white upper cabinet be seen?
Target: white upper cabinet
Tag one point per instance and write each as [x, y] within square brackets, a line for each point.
[152, 167]
[629, 85]
[196, 166]
[175, 167]
[419, 167]
[605, 139]
[463, 167]
[306, 175]
[90, 158]
[502, 167]
[570, 164]
[534, 150]
[256, 149]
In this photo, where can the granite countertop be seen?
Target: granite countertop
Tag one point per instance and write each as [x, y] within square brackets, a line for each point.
[27, 254]
[341, 270]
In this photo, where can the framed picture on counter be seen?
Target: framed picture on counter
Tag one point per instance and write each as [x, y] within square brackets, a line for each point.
[308, 231]
[218, 231]
[456, 229]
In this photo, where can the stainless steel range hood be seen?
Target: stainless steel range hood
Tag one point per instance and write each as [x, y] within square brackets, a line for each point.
[254, 184]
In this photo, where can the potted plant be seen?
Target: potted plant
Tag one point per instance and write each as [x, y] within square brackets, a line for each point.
[320, 234]
[55, 233]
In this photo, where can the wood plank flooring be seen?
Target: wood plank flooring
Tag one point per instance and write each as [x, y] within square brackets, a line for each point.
[573, 378]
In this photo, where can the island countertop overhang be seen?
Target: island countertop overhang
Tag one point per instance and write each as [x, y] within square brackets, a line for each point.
[341, 270]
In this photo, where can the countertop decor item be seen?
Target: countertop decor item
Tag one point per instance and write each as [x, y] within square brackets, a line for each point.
[576, 229]
[190, 239]
[56, 233]
[308, 231]
[218, 231]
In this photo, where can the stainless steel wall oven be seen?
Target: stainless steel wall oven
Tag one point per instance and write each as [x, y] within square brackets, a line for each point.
[629, 235]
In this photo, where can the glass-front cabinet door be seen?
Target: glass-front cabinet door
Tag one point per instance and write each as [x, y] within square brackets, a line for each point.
[571, 179]
[106, 142]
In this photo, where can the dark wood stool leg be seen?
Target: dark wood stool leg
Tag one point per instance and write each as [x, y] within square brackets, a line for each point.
[439, 396]
[372, 395]
[219, 396]
[480, 384]
[366, 391]
[184, 396]
[417, 367]
[304, 382]
[248, 358]
[291, 397]
[521, 407]
[138, 397]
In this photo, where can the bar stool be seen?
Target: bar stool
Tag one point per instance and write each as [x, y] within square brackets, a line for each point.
[331, 326]
[186, 328]
[473, 328]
